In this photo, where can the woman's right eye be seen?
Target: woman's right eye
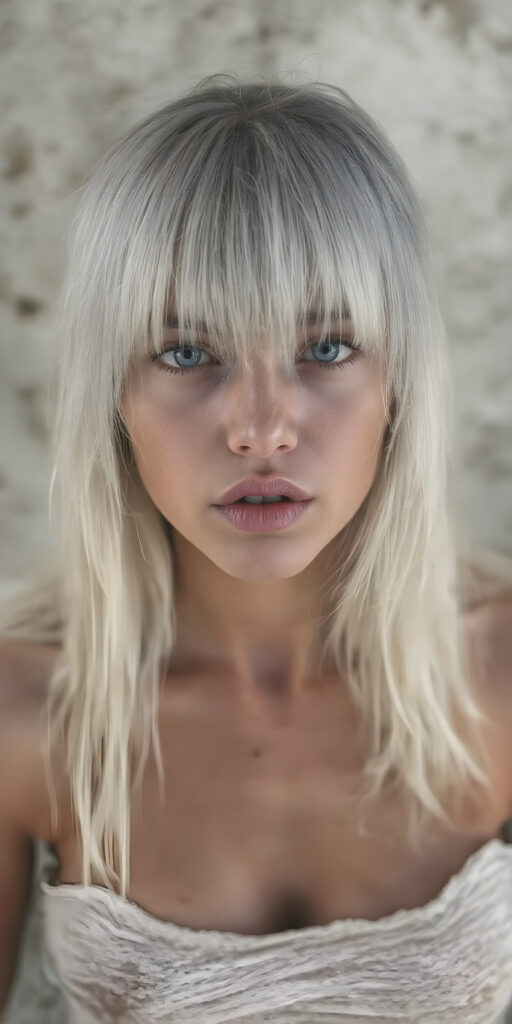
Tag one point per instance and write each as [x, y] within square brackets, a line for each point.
[186, 352]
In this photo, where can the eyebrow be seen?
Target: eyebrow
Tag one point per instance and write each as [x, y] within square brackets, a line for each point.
[311, 318]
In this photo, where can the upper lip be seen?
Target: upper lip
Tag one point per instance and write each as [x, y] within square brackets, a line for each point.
[271, 486]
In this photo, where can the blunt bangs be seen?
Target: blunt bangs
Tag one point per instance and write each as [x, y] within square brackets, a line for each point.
[249, 213]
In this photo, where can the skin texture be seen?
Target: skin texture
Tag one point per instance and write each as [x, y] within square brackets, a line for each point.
[248, 602]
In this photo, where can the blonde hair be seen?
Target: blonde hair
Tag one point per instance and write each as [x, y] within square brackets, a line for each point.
[246, 204]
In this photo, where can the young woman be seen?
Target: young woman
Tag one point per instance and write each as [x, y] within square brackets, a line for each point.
[267, 741]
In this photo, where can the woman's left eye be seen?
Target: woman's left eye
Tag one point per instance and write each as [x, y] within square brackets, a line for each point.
[323, 348]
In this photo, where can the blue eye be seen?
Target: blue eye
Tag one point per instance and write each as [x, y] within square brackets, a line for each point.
[186, 352]
[327, 349]
[324, 350]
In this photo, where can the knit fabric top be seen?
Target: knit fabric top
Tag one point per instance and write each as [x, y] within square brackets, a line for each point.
[448, 961]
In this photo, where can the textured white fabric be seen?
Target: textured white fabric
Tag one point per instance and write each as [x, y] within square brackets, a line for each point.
[447, 962]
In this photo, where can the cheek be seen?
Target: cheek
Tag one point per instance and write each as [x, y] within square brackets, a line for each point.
[165, 447]
[353, 432]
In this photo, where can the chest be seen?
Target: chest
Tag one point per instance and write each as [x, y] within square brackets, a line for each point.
[258, 827]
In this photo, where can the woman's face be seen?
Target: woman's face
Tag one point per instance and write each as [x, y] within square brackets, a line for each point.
[196, 433]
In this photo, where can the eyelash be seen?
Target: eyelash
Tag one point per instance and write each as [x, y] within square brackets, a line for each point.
[324, 366]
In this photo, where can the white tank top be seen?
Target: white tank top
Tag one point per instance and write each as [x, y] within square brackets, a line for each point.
[446, 962]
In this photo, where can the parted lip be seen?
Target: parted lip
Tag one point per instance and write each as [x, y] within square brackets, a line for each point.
[262, 486]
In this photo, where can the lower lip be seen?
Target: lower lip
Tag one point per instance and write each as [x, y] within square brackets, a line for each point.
[273, 516]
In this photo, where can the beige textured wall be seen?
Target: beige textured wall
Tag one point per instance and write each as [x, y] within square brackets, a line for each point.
[75, 74]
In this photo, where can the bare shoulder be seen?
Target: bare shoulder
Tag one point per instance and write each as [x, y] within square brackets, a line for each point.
[25, 671]
[500, 625]
[490, 643]
[491, 627]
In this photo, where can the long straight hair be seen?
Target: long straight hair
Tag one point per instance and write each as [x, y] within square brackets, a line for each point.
[245, 205]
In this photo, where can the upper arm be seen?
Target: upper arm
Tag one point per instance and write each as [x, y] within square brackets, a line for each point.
[498, 642]
[16, 863]
[16, 843]
[495, 643]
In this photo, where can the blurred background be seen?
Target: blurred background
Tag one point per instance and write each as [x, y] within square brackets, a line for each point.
[437, 76]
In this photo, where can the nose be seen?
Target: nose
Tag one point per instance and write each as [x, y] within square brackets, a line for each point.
[261, 413]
